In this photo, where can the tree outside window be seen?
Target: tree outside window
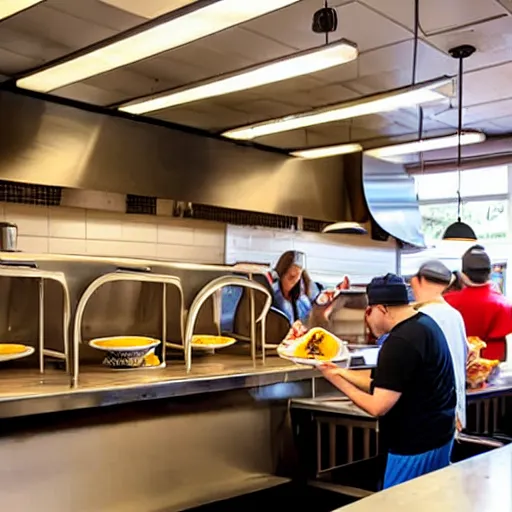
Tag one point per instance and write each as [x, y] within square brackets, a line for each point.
[485, 202]
[489, 219]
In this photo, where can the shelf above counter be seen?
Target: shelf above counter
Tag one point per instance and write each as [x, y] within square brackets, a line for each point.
[24, 393]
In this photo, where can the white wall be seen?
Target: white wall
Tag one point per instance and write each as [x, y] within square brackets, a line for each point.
[329, 257]
[82, 231]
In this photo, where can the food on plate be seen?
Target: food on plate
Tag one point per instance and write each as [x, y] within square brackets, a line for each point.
[317, 344]
[151, 360]
[7, 349]
[297, 330]
[479, 370]
[208, 340]
[125, 342]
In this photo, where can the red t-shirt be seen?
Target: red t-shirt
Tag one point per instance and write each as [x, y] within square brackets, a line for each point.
[487, 314]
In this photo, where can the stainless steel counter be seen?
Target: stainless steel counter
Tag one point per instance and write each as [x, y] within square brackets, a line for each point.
[24, 393]
[480, 484]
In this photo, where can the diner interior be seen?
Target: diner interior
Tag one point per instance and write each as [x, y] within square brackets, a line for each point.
[163, 166]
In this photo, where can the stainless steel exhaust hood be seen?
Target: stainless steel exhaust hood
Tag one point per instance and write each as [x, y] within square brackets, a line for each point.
[50, 143]
[53, 142]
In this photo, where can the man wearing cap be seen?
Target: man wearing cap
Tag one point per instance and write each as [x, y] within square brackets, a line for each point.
[428, 285]
[486, 312]
[413, 385]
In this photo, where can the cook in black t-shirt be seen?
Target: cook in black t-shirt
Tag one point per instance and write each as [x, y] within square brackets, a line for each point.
[415, 361]
[413, 386]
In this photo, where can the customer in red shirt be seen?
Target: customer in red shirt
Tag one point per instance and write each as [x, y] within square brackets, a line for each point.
[486, 312]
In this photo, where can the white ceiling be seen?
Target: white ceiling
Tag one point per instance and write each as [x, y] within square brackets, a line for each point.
[382, 29]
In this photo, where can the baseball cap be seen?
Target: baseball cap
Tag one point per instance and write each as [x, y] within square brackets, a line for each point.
[388, 290]
[475, 258]
[436, 271]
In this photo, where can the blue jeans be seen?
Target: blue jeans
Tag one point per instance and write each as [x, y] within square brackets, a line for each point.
[401, 468]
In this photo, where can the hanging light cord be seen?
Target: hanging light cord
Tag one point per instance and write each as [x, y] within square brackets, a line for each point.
[417, 27]
[459, 134]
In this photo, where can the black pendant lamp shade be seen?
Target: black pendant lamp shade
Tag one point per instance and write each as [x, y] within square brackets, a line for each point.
[460, 231]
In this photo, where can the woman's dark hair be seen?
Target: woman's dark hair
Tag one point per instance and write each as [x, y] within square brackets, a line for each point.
[287, 260]
[457, 283]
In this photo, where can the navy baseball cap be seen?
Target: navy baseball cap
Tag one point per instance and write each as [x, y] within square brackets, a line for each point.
[389, 290]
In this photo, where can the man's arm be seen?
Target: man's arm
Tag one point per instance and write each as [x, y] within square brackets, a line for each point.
[377, 404]
[361, 379]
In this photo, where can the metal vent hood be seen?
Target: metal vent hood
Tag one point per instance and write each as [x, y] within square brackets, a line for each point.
[48, 141]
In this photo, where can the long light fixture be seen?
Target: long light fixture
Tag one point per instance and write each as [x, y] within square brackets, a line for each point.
[340, 149]
[10, 7]
[299, 64]
[396, 152]
[392, 100]
[171, 33]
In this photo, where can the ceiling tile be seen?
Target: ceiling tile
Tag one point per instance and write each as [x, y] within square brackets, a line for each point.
[12, 63]
[90, 94]
[493, 41]
[487, 85]
[436, 15]
[357, 23]
[96, 12]
[121, 84]
[148, 10]
[210, 117]
[391, 67]
[478, 113]
[53, 25]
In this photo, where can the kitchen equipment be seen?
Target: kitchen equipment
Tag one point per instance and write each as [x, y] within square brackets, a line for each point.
[8, 237]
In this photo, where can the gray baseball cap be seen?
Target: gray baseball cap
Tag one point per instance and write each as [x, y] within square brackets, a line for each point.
[436, 271]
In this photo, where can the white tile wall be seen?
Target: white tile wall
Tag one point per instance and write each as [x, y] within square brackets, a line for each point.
[329, 257]
[79, 231]
[66, 230]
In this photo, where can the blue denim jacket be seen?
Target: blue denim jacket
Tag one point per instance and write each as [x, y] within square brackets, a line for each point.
[304, 303]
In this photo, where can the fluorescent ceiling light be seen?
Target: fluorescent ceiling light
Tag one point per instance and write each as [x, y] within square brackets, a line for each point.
[10, 7]
[340, 149]
[385, 102]
[395, 152]
[302, 63]
[174, 32]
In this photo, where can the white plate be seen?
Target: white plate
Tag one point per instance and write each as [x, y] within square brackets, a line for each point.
[11, 357]
[315, 362]
[285, 349]
[212, 347]
[154, 343]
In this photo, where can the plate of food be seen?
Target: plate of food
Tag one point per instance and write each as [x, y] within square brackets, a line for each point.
[314, 348]
[209, 341]
[12, 351]
[124, 352]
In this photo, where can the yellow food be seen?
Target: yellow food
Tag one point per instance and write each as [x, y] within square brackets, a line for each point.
[151, 360]
[126, 342]
[206, 340]
[10, 348]
[317, 344]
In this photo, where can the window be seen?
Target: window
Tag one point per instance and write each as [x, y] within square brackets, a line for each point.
[485, 204]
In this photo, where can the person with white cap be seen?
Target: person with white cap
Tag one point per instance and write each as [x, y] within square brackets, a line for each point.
[412, 389]
[486, 312]
[432, 278]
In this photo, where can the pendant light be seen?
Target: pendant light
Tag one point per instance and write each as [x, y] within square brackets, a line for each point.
[460, 231]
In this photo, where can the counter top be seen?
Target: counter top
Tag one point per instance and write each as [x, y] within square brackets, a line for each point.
[24, 392]
[479, 484]
[334, 404]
